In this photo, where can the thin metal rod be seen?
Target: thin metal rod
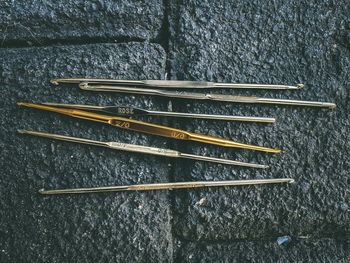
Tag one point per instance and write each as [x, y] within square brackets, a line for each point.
[165, 186]
[219, 160]
[149, 128]
[64, 138]
[141, 149]
[206, 96]
[96, 81]
[132, 111]
[183, 84]
[213, 117]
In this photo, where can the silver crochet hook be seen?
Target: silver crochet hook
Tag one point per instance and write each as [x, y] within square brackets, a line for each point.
[141, 149]
[165, 186]
[184, 84]
[132, 111]
[204, 96]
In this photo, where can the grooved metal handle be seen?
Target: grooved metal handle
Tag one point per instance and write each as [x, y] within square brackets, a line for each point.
[178, 84]
[143, 149]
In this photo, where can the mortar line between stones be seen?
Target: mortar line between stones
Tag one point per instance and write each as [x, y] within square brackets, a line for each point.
[69, 42]
[176, 173]
[258, 240]
[163, 39]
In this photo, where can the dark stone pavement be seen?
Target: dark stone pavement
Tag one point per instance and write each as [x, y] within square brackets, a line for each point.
[81, 228]
[281, 42]
[38, 22]
[247, 43]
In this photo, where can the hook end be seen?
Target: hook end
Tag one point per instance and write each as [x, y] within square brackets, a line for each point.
[332, 105]
[21, 131]
[54, 81]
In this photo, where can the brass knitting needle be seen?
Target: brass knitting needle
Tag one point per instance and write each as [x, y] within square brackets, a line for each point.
[205, 96]
[149, 128]
[165, 186]
[184, 84]
[132, 111]
[141, 149]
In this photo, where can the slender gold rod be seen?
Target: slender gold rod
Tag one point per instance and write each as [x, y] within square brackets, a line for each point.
[141, 149]
[165, 186]
[204, 96]
[148, 128]
[182, 84]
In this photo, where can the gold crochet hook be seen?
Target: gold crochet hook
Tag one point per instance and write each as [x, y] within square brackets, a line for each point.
[148, 128]
[178, 84]
[142, 149]
[165, 186]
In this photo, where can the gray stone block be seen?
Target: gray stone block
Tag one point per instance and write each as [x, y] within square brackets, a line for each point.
[37, 22]
[279, 43]
[98, 227]
[323, 250]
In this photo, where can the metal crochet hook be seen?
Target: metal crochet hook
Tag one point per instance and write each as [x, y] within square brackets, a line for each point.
[132, 111]
[165, 186]
[149, 128]
[205, 96]
[184, 84]
[141, 149]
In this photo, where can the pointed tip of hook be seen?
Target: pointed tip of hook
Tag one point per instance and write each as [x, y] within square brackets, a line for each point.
[26, 104]
[41, 191]
[54, 81]
[291, 181]
[21, 131]
[259, 166]
[300, 86]
[84, 85]
[332, 106]
[274, 150]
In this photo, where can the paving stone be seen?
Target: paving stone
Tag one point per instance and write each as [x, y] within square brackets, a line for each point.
[323, 250]
[278, 43]
[96, 227]
[36, 22]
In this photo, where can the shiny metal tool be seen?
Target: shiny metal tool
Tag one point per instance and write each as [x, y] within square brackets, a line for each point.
[141, 149]
[149, 128]
[204, 96]
[165, 186]
[132, 111]
[183, 84]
